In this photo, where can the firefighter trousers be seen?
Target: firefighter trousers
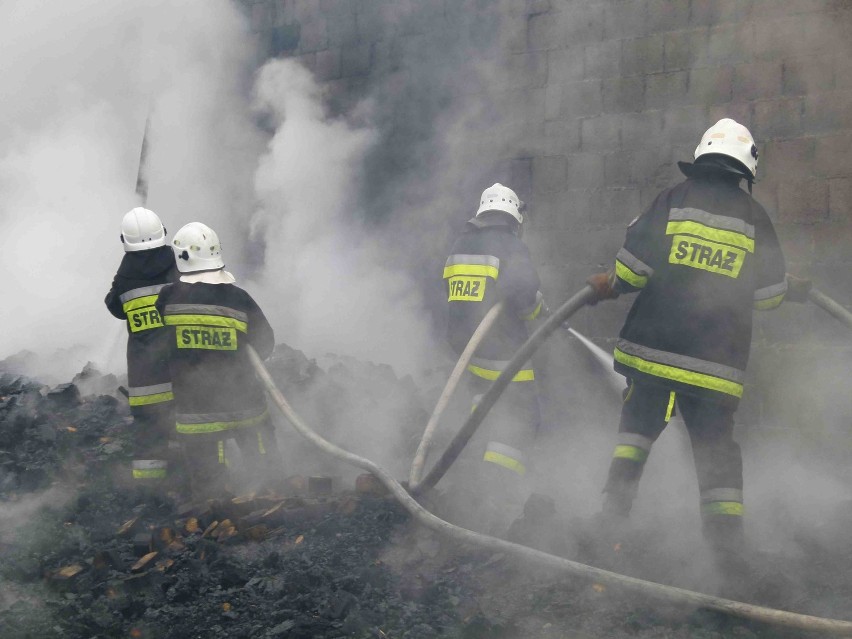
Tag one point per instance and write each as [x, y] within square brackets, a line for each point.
[718, 459]
[152, 458]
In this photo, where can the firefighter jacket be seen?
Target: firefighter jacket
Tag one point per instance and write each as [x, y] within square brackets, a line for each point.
[135, 287]
[490, 263]
[702, 257]
[208, 327]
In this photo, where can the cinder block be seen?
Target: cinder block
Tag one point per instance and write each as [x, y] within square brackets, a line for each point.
[340, 21]
[739, 111]
[641, 129]
[546, 31]
[526, 70]
[583, 23]
[785, 159]
[713, 12]
[666, 15]
[370, 21]
[602, 59]
[833, 155]
[624, 20]
[831, 241]
[636, 167]
[600, 133]
[758, 80]
[710, 85]
[777, 118]
[681, 49]
[261, 17]
[355, 60]
[827, 112]
[284, 12]
[642, 55]
[729, 44]
[840, 203]
[685, 125]
[622, 95]
[584, 208]
[585, 171]
[564, 65]
[581, 99]
[770, 9]
[547, 214]
[664, 90]
[327, 64]
[620, 205]
[314, 36]
[812, 74]
[561, 137]
[805, 34]
[549, 174]
[803, 200]
[796, 241]
[306, 10]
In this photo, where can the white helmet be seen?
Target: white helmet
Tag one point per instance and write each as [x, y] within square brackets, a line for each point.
[197, 248]
[501, 198]
[141, 229]
[730, 138]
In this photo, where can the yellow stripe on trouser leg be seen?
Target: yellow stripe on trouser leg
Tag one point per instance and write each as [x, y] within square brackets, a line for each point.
[223, 459]
[260, 447]
[505, 456]
[149, 469]
[634, 453]
[722, 508]
[670, 407]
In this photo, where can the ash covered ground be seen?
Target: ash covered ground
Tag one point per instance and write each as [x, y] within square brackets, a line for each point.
[84, 556]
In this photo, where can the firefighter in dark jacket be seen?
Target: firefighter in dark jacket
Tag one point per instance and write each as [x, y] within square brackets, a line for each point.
[702, 256]
[489, 263]
[209, 321]
[147, 266]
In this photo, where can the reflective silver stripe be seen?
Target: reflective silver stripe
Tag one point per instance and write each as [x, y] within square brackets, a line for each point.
[507, 451]
[139, 391]
[723, 222]
[494, 364]
[150, 464]
[487, 260]
[633, 263]
[722, 494]
[768, 292]
[141, 292]
[681, 361]
[635, 440]
[205, 309]
[206, 418]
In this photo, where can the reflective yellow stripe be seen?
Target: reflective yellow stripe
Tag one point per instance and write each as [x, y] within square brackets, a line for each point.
[624, 272]
[731, 238]
[534, 314]
[670, 407]
[156, 398]
[206, 320]
[215, 427]
[139, 302]
[151, 473]
[679, 374]
[220, 445]
[634, 453]
[770, 303]
[527, 375]
[722, 508]
[504, 461]
[471, 269]
[260, 447]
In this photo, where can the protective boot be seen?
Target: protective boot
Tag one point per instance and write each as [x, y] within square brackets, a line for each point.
[725, 536]
[540, 527]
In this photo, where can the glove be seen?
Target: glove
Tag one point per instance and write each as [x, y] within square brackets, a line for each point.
[797, 289]
[603, 285]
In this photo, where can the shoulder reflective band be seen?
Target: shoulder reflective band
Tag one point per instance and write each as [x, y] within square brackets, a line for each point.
[709, 226]
[145, 395]
[769, 297]
[198, 424]
[143, 291]
[633, 446]
[631, 269]
[505, 456]
[706, 255]
[477, 265]
[680, 368]
[149, 469]
[490, 369]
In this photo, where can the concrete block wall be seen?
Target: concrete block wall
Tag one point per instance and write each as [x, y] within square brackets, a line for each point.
[585, 106]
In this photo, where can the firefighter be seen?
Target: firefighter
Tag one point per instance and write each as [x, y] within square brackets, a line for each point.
[210, 320]
[490, 262]
[147, 266]
[702, 256]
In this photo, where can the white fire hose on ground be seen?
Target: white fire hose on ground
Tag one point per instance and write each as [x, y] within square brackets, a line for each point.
[550, 562]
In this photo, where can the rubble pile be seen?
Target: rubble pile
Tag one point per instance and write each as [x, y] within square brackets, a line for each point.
[315, 557]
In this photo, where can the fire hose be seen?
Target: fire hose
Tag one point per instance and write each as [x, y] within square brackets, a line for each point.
[452, 382]
[547, 561]
[830, 306]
